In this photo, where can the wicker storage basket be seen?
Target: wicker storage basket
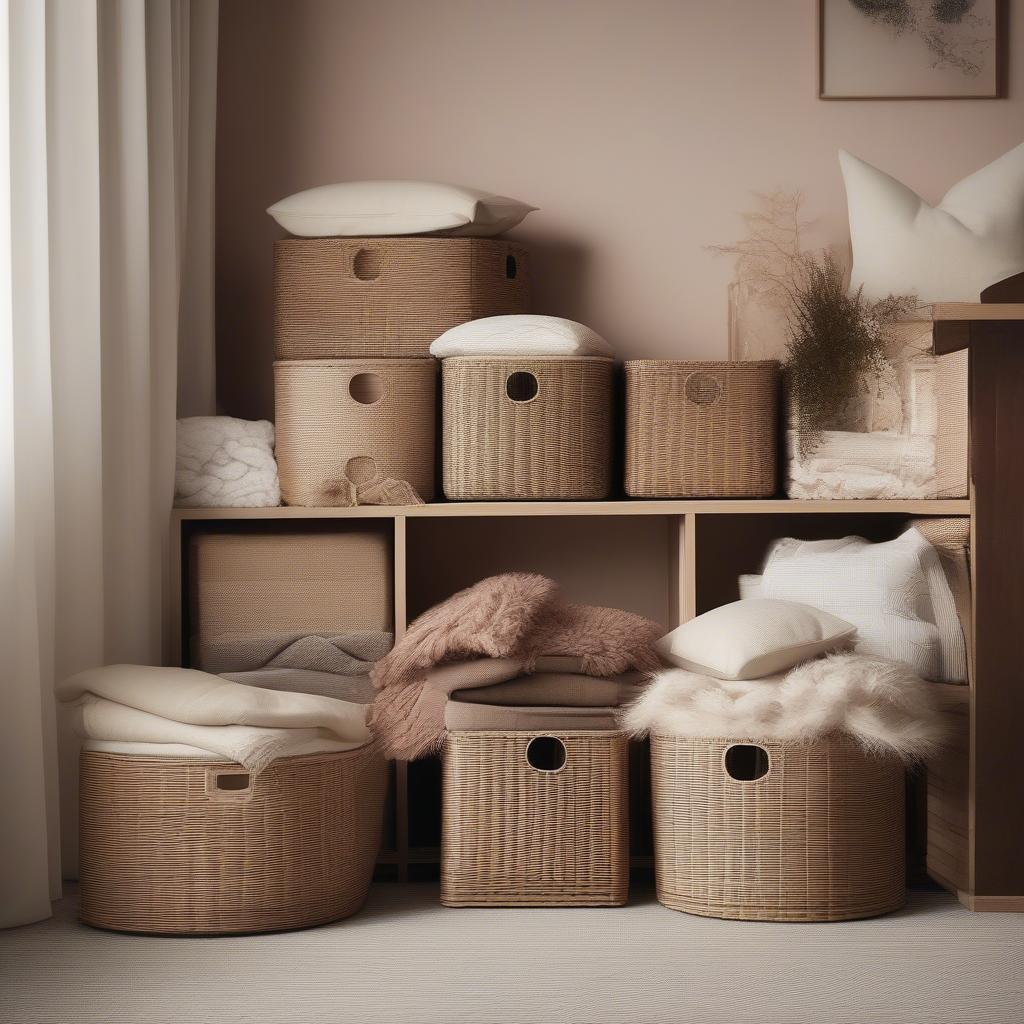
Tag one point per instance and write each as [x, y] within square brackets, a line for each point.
[534, 819]
[166, 850]
[701, 429]
[252, 593]
[330, 411]
[818, 837]
[376, 298]
[536, 428]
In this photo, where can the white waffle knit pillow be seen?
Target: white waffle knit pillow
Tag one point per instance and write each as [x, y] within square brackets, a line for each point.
[895, 593]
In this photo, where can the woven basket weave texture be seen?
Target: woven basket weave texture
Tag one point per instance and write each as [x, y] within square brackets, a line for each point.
[820, 837]
[165, 851]
[701, 429]
[326, 416]
[376, 298]
[516, 836]
[555, 445]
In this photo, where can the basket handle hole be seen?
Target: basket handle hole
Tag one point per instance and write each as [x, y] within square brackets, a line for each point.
[521, 386]
[366, 388]
[366, 265]
[546, 754]
[746, 762]
[511, 266]
[703, 388]
[234, 782]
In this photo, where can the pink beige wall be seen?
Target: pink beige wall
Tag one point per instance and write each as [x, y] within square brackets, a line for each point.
[640, 127]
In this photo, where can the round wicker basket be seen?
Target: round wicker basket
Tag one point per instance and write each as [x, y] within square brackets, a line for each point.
[329, 411]
[809, 832]
[389, 298]
[187, 847]
[529, 429]
[701, 429]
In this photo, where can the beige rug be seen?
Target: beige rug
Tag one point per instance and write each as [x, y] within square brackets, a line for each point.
[405, 959]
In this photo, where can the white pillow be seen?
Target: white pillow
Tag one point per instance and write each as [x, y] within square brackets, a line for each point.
[895, 593]
[361, 208]
[752, 639]
[944, 253]
[520, 335]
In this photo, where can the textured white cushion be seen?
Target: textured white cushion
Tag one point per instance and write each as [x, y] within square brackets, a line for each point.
[360, 208]
[895, 593]
[520, 335]
[949, 252]
[753, 639]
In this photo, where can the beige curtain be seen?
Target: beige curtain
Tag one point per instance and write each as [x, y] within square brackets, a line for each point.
[106, 228]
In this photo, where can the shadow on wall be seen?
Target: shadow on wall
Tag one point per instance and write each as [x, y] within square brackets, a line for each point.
[559, 269]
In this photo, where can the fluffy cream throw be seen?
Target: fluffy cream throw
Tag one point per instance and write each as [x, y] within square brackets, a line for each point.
[515, 617]
[879, 703]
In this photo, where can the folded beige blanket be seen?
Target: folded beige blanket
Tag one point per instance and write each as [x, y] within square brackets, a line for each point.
[145, 704]
[557, 689]
[357, 689]
[478, 717]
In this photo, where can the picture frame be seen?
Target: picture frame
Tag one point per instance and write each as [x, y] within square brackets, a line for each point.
[912, 49]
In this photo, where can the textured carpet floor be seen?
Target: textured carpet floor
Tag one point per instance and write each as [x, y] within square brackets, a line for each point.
[405, 959]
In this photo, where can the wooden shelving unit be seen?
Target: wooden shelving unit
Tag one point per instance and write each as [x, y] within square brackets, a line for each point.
[692, 553]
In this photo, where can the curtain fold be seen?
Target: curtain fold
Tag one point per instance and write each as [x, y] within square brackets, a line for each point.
[96, 226]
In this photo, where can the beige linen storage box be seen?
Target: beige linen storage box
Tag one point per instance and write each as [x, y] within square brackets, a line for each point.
[184, 846]
[254, 592]
[535, 819]
[769, 831]
[530, 429]
[701, 429]
[376, 298]
[329, 411]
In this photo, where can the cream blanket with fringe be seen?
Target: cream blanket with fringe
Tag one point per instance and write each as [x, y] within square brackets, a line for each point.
[879, 703]
[145, 704]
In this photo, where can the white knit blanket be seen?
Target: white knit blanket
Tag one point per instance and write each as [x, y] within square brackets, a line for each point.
[877, 702]
[252, 726]
[225, 462]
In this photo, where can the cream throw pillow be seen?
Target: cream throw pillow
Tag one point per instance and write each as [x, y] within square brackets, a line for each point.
[367, 208]
[946, 253]
[895, 593]
[753, 639]
[520, 335]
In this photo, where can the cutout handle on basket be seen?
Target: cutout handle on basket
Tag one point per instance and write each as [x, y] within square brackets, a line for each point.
[521, 386]
[703, 388]
[747, 762]
[511, 266]
[546, 754]
[229, 784]
[367, 265]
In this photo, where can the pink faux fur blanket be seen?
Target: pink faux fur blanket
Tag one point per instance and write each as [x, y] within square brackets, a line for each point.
[517, 616]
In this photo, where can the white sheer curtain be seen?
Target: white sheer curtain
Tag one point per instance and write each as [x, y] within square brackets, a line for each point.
[106, 243]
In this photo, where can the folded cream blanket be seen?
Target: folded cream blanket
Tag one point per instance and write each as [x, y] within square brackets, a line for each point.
[491, 633]
[879, 703]
[144, 704]
[225, 462]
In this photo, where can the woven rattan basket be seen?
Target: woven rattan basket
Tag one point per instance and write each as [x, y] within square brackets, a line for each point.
[329, 411]
[701, 429]
[536, 428]
[532, 819]
[819, 836]
[166, 850]
[376, 298]
[252, 592]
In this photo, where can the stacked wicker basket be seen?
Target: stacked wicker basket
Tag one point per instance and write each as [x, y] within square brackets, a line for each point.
[353, 377]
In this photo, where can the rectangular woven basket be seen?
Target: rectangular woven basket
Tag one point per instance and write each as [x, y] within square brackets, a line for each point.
[166, 850]
[814, 833]
[329, 411]
[376, 298]
[514, 834]
[251, 593]
[527, 428]
[701, 429]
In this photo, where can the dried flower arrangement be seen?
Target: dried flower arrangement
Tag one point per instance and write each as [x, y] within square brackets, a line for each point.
[837, 343]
